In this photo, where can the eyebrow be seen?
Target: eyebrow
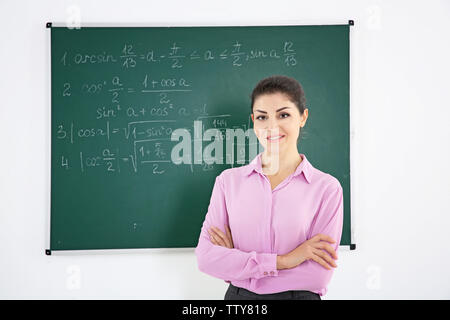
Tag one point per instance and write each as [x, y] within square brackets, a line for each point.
[277, 110]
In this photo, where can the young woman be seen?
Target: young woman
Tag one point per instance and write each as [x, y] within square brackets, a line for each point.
[274, 226]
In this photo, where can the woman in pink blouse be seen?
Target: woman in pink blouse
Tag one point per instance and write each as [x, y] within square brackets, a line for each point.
[273, 227]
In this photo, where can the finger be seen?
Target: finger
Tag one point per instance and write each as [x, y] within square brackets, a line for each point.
[227, 229]
[327, 247]
[320, 261]
[214, 238]
[325, 257]
[217, 237]
[222, 236]
[211, 237]
[324, 237]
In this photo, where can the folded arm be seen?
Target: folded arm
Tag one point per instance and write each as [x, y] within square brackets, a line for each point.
[328, 221]
[224, 263]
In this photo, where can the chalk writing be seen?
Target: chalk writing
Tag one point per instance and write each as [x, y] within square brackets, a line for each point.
[130, 119]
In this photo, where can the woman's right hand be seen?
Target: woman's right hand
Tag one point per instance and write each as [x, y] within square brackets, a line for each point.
[310, 250]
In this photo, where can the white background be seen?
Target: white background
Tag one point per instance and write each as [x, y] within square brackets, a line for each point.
[400, 151]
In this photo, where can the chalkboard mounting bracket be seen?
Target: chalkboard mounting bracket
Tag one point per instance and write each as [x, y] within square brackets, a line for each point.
[48, 24]
[48, 252]
[353, 246]
[351, 22]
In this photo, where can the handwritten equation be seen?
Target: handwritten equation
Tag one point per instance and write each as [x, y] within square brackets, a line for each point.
[130, 120]
[176, 57]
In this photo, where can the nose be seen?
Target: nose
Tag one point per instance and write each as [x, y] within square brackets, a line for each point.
[272, 127]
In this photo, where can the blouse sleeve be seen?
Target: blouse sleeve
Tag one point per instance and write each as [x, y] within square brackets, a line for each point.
[328, 220]
[225, 263]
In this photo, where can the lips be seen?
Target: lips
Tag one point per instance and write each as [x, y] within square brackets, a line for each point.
[275, 138]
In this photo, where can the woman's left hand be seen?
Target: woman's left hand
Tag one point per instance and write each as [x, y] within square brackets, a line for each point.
[219, 238]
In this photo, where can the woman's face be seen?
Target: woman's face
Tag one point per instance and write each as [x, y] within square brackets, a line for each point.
[277, 122]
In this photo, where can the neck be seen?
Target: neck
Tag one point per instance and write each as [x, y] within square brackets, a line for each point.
[280, 162]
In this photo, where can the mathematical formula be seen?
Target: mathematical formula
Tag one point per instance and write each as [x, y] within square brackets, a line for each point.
[177, 57]
[145, 127]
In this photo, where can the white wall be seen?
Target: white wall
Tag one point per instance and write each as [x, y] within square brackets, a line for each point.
[400, 151]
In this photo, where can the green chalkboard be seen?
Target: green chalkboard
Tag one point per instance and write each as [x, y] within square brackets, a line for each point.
[119, 93]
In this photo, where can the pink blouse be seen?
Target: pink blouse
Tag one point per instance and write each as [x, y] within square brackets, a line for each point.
[265, 223]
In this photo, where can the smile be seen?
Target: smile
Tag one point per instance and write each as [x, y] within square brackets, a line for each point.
[273, 139]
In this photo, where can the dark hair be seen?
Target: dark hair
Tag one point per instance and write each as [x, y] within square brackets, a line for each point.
[278, 83]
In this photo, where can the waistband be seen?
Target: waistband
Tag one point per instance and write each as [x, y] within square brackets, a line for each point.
[281, 295]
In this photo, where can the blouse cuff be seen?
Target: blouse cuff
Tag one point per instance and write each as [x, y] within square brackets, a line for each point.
[268, 265]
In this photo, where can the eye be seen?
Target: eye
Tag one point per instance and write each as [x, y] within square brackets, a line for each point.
[283, 116]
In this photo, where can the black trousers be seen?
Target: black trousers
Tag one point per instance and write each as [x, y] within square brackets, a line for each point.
[236, 293]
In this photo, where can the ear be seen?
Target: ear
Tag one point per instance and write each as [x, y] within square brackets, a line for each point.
[303, 118]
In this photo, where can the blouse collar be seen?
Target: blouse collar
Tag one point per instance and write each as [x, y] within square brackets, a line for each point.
[304, 167]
